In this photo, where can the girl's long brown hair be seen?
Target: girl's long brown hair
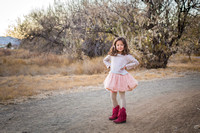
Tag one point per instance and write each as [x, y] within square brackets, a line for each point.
[113, 50]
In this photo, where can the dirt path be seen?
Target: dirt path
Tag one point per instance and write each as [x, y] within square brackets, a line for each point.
[157, 106]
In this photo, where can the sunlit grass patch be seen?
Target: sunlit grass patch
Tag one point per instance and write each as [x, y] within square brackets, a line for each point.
[13, 87]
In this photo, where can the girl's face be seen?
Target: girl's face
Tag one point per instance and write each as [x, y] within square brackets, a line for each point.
[119, 46]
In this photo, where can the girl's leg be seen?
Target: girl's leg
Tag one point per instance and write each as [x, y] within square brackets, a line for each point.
[121, 118]
[123, 99]
[113, 96]
[116, 107]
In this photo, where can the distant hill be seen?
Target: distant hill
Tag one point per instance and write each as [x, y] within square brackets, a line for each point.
[5, 40]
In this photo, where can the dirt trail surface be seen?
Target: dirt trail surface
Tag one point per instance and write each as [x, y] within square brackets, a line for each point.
[156, 106]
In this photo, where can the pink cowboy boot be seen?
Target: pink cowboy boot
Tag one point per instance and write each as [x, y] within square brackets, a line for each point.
[114, 113]
[121, 116]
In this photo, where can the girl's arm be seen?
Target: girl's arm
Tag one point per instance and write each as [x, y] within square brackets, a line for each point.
[132, 62]
[106, 61]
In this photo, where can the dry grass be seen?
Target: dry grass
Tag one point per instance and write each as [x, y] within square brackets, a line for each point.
[182, 63]
[24, 73]
[88, 66]
[13, 87]
[23, 62]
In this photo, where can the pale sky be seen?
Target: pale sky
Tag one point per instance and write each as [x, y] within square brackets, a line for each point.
[10, 10]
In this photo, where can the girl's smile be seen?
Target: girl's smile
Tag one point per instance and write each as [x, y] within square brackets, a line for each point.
[119, 46]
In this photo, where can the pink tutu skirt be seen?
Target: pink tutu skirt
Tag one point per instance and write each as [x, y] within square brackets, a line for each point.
[117, 82]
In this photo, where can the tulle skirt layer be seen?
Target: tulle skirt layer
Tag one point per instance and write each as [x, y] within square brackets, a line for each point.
[117, 82]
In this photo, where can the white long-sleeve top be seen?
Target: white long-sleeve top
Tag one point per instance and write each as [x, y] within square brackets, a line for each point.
[117, 63]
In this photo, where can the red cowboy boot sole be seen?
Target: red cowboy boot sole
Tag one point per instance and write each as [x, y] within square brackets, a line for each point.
[112, 119]
[119, 122]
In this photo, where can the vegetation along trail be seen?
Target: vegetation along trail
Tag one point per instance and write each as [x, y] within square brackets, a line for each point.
[163, 105]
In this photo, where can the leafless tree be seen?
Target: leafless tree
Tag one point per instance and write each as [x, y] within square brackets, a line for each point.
[190, 40]
[152, 27]
[165, 23]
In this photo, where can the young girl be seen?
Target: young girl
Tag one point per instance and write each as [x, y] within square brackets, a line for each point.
[118, 79]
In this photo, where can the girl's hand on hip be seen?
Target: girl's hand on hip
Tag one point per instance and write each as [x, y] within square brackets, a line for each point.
[123, 68]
